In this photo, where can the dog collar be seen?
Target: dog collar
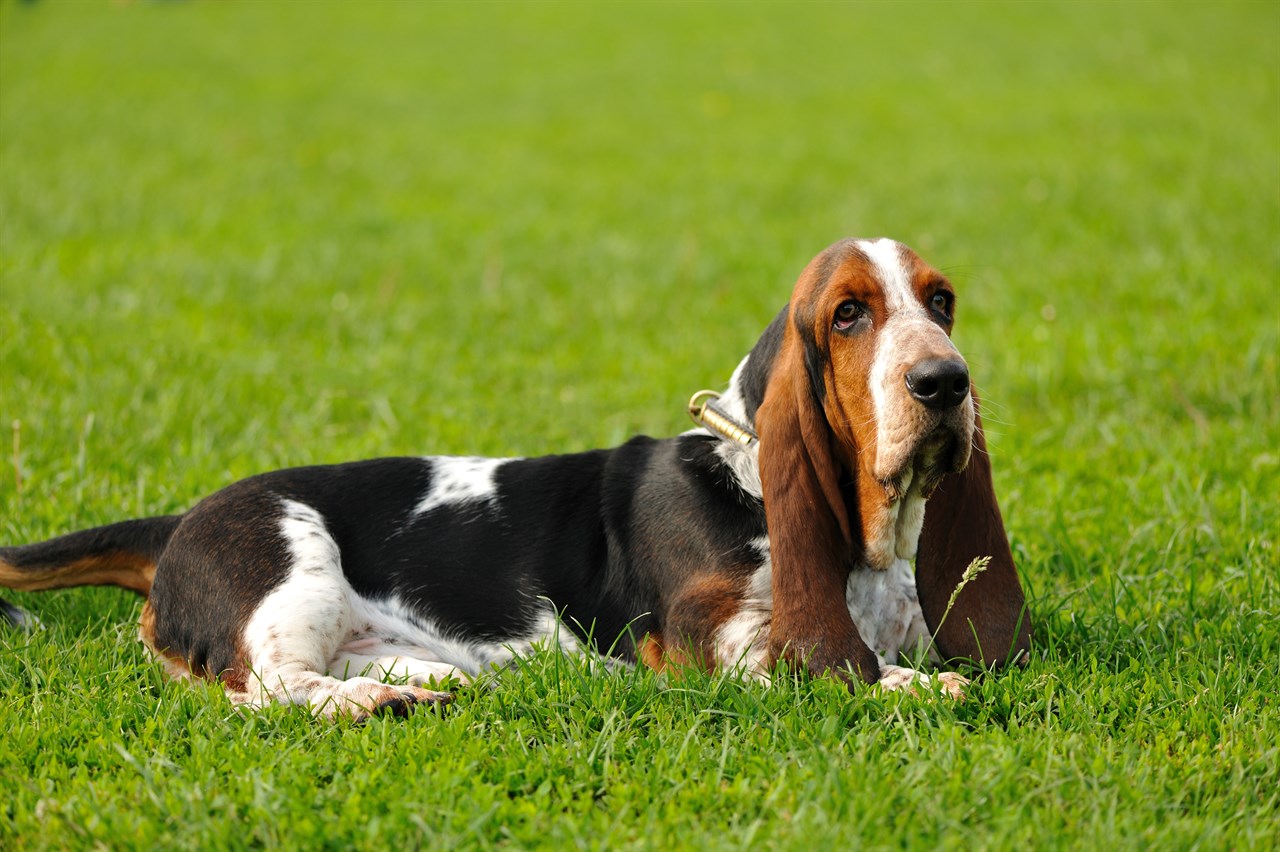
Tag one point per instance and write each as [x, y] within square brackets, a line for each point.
[708, 415]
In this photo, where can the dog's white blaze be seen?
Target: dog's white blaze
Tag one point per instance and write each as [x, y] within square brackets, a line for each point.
[896, 283]
[460, 479]
[908, 329]
[887, 393]
[882, 390]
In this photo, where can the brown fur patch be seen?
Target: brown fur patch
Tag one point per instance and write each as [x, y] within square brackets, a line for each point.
[693, 621]
[651, 653]
[130, 571]
[235, 680]
[710, 600]
[174, 665]
[670, 659]
[988, 623]
[697, 613]
[810, 536]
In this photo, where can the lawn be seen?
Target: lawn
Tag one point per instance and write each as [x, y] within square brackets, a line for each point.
[239, 236]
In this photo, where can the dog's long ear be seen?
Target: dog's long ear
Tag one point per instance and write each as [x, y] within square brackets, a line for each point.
[988, 622]
[809, 532]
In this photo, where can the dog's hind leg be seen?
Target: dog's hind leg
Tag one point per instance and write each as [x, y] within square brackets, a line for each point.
[252, 592]
[296, 631]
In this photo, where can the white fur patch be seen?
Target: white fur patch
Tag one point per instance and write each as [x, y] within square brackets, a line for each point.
[460, 479]
[742, 642]
[296, 629]
[878, 374]
[885, 609]
[910, 523]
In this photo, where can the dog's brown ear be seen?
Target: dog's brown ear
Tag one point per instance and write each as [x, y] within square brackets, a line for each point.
[810, 539]
[988, 622]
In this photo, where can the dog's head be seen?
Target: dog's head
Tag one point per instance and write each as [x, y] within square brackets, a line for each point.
[868, 409]
[870, 387]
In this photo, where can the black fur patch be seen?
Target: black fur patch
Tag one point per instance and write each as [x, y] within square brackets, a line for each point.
[755, 377]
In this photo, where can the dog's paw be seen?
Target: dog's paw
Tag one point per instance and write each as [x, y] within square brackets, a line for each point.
[953, 684]
[360, 698]
[407, 699]
[900, 679]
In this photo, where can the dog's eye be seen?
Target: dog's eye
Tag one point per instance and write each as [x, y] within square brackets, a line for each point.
[941, 302]
[847, 314]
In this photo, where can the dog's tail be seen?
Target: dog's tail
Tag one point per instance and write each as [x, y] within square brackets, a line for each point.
[123, 554]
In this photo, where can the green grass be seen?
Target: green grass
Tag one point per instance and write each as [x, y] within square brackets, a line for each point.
[235, 237]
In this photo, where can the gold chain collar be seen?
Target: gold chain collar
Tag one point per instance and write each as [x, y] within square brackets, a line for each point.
[708, 415]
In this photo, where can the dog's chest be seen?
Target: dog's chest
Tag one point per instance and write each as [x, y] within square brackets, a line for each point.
[882, 604]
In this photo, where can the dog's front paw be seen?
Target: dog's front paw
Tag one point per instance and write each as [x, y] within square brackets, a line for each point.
[900, 679]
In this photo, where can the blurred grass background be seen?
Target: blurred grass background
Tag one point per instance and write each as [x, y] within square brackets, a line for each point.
[238, 236]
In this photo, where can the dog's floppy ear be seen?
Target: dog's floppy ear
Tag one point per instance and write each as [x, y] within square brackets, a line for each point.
[988, 622]
[810, 538]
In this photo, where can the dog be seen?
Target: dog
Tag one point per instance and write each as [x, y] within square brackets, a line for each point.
[778, 533]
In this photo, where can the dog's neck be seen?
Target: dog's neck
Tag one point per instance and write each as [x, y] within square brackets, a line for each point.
[744, 461]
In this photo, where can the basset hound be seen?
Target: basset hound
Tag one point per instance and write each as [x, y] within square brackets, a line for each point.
[784, 536]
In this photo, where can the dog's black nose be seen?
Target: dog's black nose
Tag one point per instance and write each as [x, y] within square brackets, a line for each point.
[939, 383]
